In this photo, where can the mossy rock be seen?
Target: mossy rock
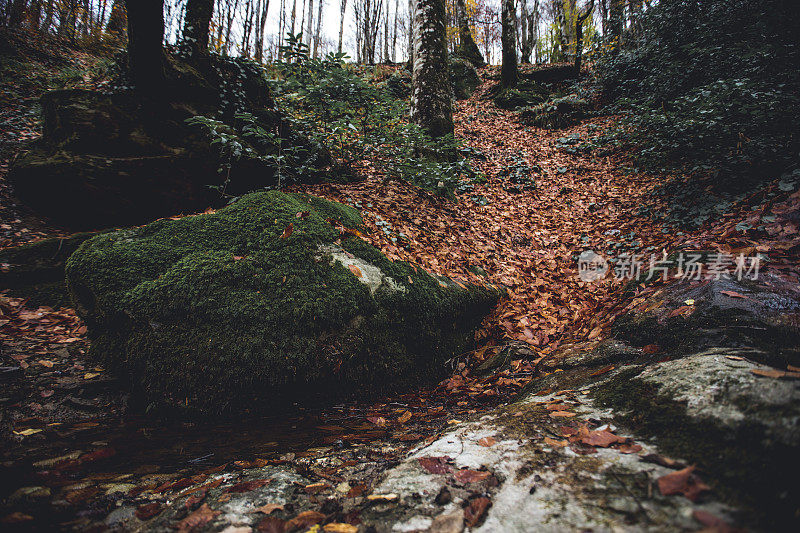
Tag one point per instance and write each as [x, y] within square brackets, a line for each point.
[464, 78]
[556, 113]
[262, 304]
[523, 95]
[36, 271]
[118, 159]
[399, 83]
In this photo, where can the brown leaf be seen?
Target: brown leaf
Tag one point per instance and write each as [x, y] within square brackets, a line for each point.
[554, 442]
[733, 294]
[562, 414]
[355, 270]
[305, 520]
[315, 488]
[682, 482]
[466, 475]
[272, 524]
[712, 522]
[203, 515]
[435, 465]
[267, 508]
[148, 510]
[487, 442]
[474, 512]
[602, 438]
[247, 486]
[288, 231]
[405, 417]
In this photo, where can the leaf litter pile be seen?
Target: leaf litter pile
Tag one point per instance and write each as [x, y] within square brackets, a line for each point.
[71, 456]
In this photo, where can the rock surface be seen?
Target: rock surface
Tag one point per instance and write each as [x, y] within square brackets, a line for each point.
[117, 159]
[265, 302]
[463, 77]
[36, 271]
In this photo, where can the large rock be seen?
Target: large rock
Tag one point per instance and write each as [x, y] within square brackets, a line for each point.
[704, 369]
[263, 303]
[36, 271]
[114, 159]
[555, 113]
[463, 77]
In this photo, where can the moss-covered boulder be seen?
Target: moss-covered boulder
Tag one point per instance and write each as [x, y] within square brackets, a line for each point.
[555, 113]
[268, 301]
[464, 78]
[36, 271]
[523, 95]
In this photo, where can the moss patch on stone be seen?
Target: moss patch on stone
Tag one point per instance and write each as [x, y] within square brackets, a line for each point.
[232, 311]
[735, 462]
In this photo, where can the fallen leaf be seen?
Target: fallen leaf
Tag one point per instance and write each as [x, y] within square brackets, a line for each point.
[683, 482]
[771, 373]
[554, 442]
[247, 486]
[305, 520]
[271, 524]
[712, 522]
[90, 375]
[476, 509]
[629, 448]
[733, 294]
[382, 497]
[203, 515]
[315, 488]
[27, 432]
[561, 414]
[267, 508]
[405, 417]
[466, 475]
[487, 442]
[339, 527]
[355, 270]
[288, 231]
[435, 465]
[602, 438]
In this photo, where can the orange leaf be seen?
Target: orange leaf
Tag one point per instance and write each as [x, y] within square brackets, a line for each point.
[355, 270]
[288, 231]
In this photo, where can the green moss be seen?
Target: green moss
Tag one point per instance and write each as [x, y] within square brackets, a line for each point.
[523, 95]
[736, 462]
[223, 312]
[555, 113]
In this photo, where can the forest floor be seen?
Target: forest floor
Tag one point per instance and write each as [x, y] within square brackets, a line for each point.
[71, 455]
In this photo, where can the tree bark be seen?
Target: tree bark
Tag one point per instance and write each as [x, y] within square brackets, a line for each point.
[508, 71]
[196, 25]
[615, 23]
[318, 31]
[580, 19]
[341, 24]
[145, 37]
[466, 44]
[431, 99]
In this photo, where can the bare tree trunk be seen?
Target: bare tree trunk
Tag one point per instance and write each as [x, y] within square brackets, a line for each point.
[431, 98]
[466, 44]
[145, 36]
[310, 22]
[394, 31]
[508, 71]
[341, 23]
[319, 28]
[259, 55]
[411, 9]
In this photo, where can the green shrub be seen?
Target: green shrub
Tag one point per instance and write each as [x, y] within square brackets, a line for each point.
[722, 93]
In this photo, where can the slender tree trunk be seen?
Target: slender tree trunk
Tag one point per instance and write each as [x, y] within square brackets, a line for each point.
[466, 44]
[259, 53]
[411, 10]
[318, 31]
[579, 20]
[145, 51]
[196, 25]
[394, 30]
[431, 98]
[508, 71]
[310, 22]
[341, 23]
